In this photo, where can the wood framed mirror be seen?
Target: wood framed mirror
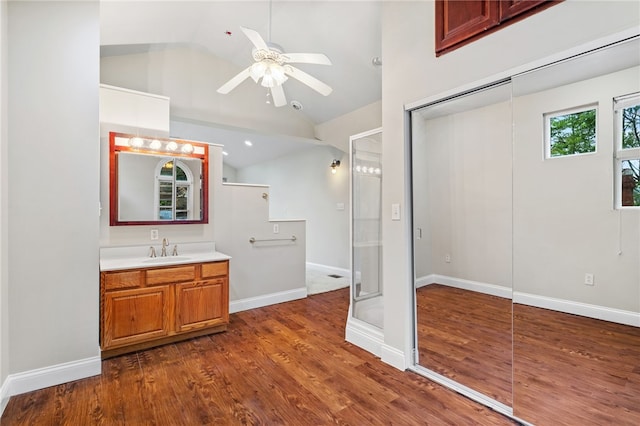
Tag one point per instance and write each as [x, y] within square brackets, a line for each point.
[157, 181]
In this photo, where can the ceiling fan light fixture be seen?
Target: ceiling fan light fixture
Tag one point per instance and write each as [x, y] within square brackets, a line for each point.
[272, 74]
[272, 67]
[277, 72]
[257, 70]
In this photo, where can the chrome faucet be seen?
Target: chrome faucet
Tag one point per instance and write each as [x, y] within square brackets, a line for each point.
[165, 243]
[152, 252]
[175, 250]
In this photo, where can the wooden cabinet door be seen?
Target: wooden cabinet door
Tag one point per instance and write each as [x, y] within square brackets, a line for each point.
[202, 304]
[138, 315]
[457, 21]
[511, 8]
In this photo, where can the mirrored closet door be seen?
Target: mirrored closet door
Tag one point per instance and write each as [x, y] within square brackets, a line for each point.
[526, 213]
[461, 168]
[576, 240]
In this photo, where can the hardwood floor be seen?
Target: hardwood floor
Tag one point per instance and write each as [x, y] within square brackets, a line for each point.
[285, 364]
[567, 369]
[466, 336]
[572, 370]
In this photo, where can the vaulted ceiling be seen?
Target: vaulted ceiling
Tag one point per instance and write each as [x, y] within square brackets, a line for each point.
[348, 32]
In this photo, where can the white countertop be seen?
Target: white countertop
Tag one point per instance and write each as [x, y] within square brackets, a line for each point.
[131, 257]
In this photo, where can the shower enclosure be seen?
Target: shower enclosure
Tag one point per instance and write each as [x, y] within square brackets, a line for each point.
[365, 320]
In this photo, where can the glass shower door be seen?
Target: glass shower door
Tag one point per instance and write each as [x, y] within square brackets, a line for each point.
[366, 187]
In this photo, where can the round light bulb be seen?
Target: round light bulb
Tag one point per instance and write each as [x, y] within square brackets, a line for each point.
[172, 146]
[136, 142]
[257, 71]
[155, 144]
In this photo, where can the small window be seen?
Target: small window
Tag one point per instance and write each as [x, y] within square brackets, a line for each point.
[627, 153]
[570, 132]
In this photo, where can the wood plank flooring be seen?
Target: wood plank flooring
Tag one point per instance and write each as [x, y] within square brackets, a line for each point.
[466, 336]
[567, 369]
[573, 370]
[285, 364]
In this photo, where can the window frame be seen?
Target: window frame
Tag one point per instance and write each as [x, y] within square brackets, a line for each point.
[621, 154]
[547, 116]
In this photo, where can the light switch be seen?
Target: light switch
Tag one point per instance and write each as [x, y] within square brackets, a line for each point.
[339, 206]
[395, 211]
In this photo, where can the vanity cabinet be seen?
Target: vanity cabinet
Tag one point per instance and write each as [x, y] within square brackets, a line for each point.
[145, 307]
[199, 304]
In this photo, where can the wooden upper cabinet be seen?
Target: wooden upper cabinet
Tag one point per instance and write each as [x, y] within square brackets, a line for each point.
[459, 22]
[512, 8]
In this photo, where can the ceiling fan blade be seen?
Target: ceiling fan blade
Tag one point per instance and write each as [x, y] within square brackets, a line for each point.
[255, 38]
[309, 80]
[235, 81]
[277, 93]
[307, 58]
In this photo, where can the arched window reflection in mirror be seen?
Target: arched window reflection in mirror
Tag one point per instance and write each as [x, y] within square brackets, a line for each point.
[174, 191]
[157, 181]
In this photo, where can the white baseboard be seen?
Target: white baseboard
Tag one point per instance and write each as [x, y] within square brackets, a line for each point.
[577, 308]
[4, 396]
[426, 280]
[477, 286]
[266, 300]
[561, 305]
[394, 357]
[364, 336]
[329, 269]
[41, 378]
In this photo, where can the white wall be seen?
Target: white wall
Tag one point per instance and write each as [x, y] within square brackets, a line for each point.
[564, 221]
[229, 173]
[264, 272]
[303, 187]
[4, 205]
[53, 77]
[336, 132]
[412, 72]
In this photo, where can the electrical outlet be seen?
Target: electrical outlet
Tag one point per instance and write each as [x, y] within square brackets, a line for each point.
[276, 228]
[154, 234]
[588, 279]
[447, 258]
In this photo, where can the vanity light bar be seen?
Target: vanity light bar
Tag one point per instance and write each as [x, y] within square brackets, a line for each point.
[158, 145]
[368, 170]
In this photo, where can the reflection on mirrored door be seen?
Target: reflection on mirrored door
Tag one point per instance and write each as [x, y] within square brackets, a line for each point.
[366, 227]
[576, 240]
[462, 218]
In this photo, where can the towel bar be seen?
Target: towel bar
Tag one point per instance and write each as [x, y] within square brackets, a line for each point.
[255, 240]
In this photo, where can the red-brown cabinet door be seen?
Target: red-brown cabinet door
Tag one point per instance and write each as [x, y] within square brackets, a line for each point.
[457, 21]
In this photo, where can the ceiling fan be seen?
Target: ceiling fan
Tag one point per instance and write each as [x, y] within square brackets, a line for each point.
[272, 67]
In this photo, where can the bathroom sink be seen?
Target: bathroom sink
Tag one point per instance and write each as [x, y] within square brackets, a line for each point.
[167, 259]
[132, 257]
